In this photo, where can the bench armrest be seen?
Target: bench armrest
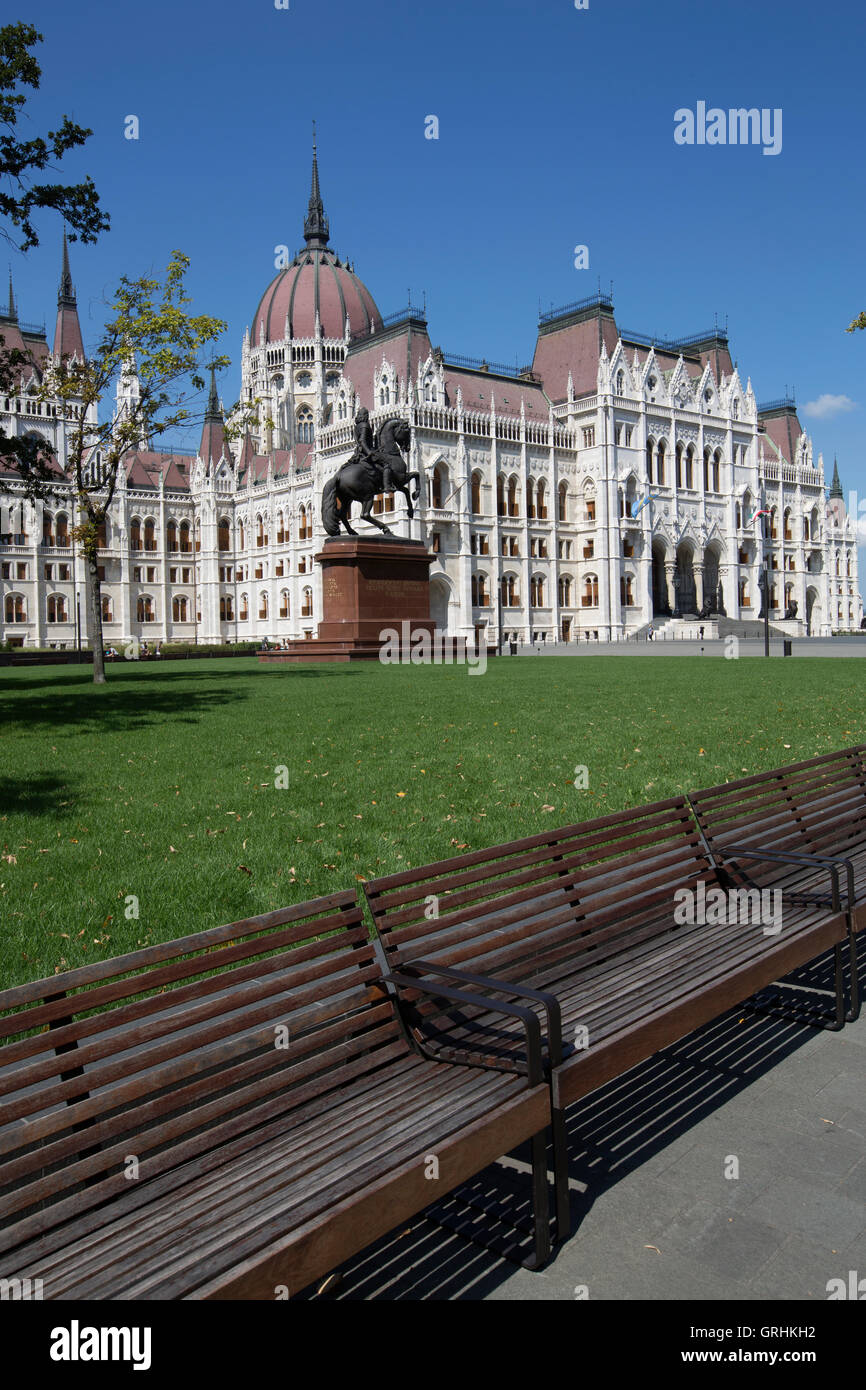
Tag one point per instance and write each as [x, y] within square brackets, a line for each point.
[531, 1025]
[549, 1002]
[830, 862]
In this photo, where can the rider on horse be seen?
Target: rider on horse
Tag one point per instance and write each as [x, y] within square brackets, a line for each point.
[365, 450]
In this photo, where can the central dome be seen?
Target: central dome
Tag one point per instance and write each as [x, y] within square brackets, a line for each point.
[316, 282]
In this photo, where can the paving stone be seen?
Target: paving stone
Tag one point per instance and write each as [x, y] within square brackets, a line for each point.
[807, 1208]
[799, 1269]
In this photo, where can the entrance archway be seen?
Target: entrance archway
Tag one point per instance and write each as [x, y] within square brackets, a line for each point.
[440, 596]
[659, 584]
[684, 583]
[813, 613]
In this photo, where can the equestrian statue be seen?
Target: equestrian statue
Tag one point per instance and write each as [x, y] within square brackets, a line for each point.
[376, 466]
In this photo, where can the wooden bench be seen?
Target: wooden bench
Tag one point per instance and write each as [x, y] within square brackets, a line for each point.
[585, 915]
[232, 1114]
[800, 829]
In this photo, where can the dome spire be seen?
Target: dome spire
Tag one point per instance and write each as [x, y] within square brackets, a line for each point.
[315, 223]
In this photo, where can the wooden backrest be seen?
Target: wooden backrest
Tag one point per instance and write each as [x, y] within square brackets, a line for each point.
[814, 807]
[180, 1049]
[579, 894]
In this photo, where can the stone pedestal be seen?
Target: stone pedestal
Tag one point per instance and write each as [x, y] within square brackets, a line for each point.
[369, 585]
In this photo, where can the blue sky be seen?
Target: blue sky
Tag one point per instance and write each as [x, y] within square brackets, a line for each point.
[555, 129]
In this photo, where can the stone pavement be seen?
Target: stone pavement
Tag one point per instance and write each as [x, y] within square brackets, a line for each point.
[655, 1214]
[802, 646]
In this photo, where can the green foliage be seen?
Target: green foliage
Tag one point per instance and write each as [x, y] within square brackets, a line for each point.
[20, 196]
[859, 322]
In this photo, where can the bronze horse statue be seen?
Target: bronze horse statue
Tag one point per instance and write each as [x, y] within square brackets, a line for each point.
[361, 480]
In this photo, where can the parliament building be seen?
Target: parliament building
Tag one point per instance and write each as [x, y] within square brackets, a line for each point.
[615, 482]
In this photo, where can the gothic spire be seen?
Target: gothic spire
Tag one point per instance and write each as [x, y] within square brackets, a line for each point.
[213, 405]
[68, 341]
[66, 293]
[315, 223]
[11, 314]
[836, 485]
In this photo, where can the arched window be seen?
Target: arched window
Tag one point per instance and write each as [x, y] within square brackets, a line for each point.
[281, 529]
[786, 524]
[706, 470]
[150, 534]
[476, 494]
[242, 536]
[307, 603]
[562, 508]
[179, 606]
[500, 496]
[679, 464]
[512, 497]
[650, 445]
[743, 593]
[263, 604]
[16, 608]
[429, 389]
[564, 590]
[660, 463]
[536, 591]
[620, 382]
[590, 592]
[508, 589]
[171, 536]
[185, 545]
[384, 390]
[690, 466]
[61, 529]
[716, 470]
[541, 508]
[626, 592]
[47, 533]
[245, 608]
[107, 610]
[305, 425]
[285, 606]
[223, 534]
[135, 533]
[305, 524]
[102, 534]
[144, 609]
[530, 498]
[227, 609]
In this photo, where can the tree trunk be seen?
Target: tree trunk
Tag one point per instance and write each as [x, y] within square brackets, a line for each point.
[94, 611]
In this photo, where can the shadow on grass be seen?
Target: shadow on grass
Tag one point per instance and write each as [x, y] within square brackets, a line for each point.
[151, 674]
[114, 710]
[33, 796]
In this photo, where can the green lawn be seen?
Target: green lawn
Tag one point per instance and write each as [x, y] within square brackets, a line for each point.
[162, 784]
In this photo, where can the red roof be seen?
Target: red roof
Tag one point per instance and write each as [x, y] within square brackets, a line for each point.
[316, 280]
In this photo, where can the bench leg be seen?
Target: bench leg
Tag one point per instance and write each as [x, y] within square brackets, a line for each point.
[560, 1175]
[798, 1013]
[540, 1204]
[854, 1011]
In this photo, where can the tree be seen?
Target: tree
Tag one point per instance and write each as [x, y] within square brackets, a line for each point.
[21, 198]
[152, 328]
[859, 322]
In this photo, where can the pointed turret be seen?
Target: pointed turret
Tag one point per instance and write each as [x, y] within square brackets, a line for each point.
[316, 229]
[836, 485]
[67, 333]
[213, 445]
[12, 313]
